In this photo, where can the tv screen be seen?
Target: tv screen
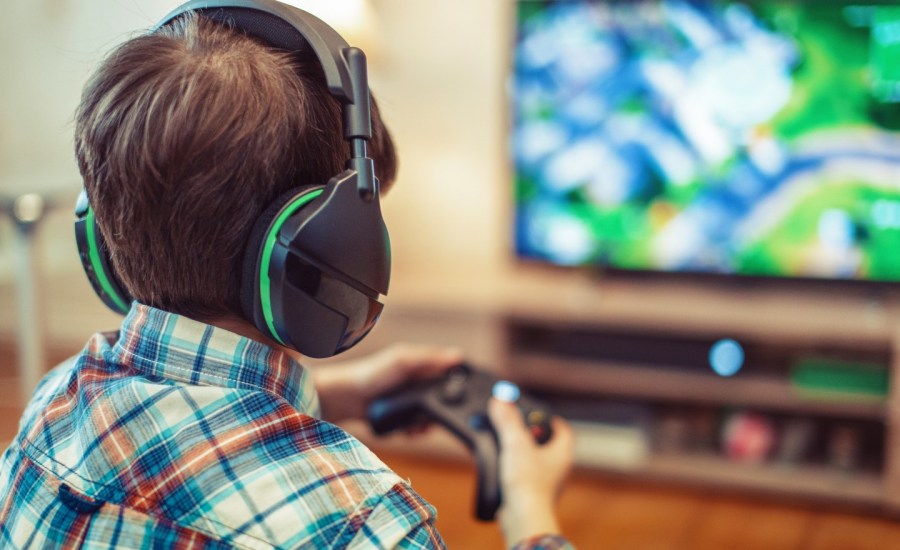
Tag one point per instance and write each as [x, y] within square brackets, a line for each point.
[753, 138]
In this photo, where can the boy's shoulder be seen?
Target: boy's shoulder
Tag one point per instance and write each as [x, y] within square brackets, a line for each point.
[236, 463]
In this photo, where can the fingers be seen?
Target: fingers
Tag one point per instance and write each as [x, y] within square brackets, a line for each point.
[563, 440]
[507, 420]
[513, 432]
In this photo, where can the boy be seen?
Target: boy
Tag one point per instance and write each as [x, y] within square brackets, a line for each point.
[189, 428]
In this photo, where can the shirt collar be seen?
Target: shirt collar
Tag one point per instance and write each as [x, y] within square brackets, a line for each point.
[173, 347]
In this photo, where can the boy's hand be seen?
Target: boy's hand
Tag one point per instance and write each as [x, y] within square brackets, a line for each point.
[345, 389]
[531, 475]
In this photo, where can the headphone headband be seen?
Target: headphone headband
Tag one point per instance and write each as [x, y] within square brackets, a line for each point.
[293, 30]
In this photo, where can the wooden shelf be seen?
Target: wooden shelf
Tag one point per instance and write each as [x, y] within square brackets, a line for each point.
[817, 483]
[659, 383]
[805, 481]
[788, 313]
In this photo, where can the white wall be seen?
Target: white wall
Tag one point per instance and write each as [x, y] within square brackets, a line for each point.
[47, 50]
[442, 85]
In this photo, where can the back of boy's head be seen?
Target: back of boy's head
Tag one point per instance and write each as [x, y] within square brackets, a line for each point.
[184, 136]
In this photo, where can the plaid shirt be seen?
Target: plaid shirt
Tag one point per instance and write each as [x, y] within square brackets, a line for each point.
[176, 434]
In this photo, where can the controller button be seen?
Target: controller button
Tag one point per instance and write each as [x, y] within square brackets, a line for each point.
[538, 432]
[479, 421]
[455, 387]
[536, 417]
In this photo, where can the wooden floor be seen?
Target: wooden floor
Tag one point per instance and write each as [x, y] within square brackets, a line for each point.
[601, 512]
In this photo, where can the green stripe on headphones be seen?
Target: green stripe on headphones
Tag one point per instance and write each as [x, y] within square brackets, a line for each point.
[97, 263]
[265, 294]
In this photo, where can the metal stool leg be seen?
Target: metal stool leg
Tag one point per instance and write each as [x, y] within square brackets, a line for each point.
[28, 210]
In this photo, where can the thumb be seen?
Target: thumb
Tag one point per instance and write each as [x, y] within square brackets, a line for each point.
[507, 420]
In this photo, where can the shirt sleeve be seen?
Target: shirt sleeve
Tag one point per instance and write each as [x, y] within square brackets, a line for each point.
[401, 519]
[544, 542]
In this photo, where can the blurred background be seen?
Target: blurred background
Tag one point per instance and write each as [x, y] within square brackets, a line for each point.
[675, 222]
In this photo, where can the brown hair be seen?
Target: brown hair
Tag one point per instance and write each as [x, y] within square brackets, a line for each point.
[184, 136]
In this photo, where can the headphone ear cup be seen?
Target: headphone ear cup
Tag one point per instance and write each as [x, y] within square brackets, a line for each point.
[95, 260]
[250, 288]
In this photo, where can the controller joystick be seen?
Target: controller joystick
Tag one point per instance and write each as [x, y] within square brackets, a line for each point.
[458, 401]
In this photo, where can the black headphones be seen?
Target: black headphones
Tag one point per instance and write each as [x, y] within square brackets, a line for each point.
[318, 260]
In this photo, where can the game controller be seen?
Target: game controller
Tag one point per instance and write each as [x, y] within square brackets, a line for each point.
[458, 400]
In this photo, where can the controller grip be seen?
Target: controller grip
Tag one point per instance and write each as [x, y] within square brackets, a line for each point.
[488, 497]
[393, 412]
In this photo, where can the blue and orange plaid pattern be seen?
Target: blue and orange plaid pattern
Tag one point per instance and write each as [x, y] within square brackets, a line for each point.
[176, 434]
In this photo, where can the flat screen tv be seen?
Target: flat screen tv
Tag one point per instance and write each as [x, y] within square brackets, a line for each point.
[757, 138]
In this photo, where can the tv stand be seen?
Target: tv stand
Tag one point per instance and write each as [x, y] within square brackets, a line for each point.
[569, 337]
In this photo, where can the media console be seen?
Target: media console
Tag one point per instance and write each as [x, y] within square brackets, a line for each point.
[810, 413]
